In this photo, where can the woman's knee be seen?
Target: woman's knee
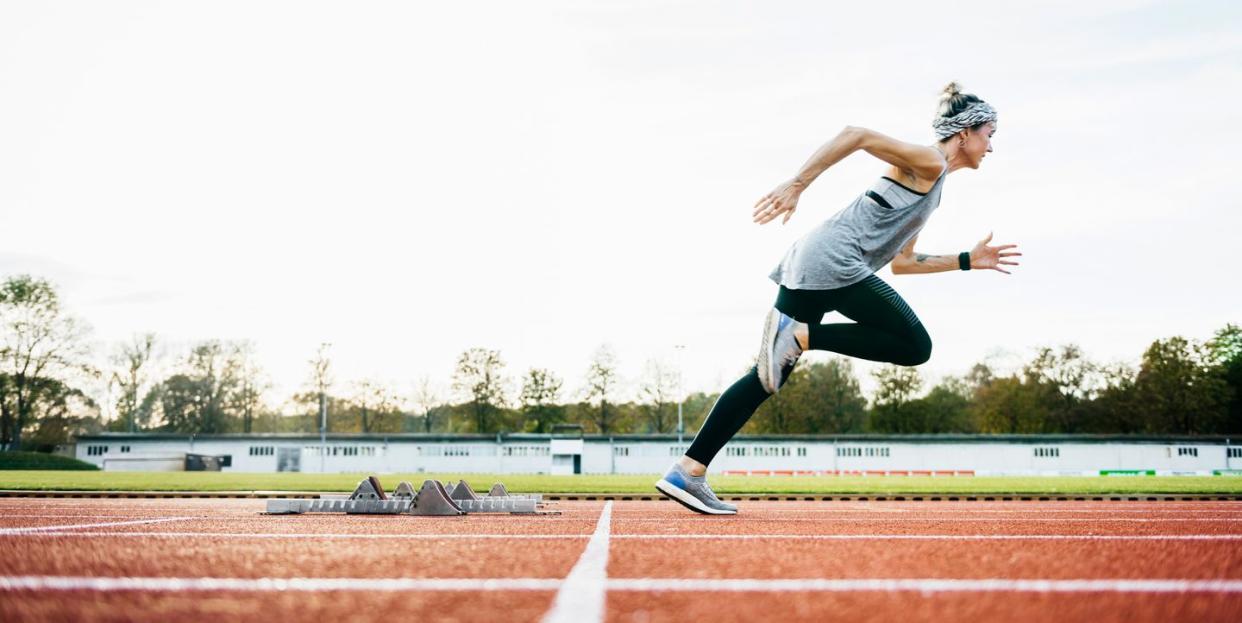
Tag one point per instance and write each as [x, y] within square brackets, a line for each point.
[920, 349]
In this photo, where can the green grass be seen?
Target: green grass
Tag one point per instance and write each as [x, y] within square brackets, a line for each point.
[232, 481]
[42, 461]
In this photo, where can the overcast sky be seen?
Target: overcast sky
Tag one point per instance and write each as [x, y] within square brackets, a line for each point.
[408, 180]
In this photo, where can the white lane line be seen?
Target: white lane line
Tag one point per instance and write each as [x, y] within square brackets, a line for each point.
[1027, 511]
[904, 519]
[639, 537]
[923, 585]
[37, 582]
[581, 597]
[10, 531]
[930, 585]
[937, 537]
[299, 535]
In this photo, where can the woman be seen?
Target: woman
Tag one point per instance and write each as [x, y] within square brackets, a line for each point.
[833, 268]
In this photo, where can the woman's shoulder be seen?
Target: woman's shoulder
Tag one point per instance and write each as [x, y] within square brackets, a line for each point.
[911, 181]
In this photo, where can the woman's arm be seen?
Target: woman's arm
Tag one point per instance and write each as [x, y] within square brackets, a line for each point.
[981, 257]
[921, 161]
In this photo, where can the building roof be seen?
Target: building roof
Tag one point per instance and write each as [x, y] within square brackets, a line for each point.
[531, 437]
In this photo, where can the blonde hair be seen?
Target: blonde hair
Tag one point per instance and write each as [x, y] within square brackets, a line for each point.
[953, 101]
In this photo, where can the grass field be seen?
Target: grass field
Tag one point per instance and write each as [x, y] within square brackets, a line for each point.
[232, 481]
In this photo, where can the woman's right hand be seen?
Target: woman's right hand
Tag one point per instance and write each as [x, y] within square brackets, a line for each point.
[782, 200]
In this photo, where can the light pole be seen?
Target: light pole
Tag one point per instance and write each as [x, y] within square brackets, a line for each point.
[322, 372]
[681, 427]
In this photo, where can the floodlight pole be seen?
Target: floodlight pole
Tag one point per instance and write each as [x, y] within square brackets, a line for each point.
[681, 427]
[323, 432]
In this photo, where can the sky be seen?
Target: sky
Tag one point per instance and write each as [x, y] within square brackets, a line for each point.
[408, 180]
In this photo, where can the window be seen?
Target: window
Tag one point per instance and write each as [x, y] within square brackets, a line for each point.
[1234, 453]
[735, 451]
[802, 451]
[527, 450]
[124, 448]
[872, 451]
[262, 450]
[1187, 452]
[96, 450]
[677, 450]
[1047, 452]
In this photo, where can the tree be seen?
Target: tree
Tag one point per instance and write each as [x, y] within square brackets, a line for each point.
[818, 398]
[1226, 354]
[1007, 405]
[835, 398]
[897, 386]
[131, 362]
[658, 392]
[540, 391]
[1065, 379]
[203, 396]
[377, 407]
[65, 412]
[1115, 405]
[601, 385]
[945, 409]
[426, 400]
[37, 341]
[247, 397]
[480, 379]
[321, 382]
[1179, 390]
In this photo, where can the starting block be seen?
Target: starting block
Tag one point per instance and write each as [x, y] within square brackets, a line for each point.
[432, 499]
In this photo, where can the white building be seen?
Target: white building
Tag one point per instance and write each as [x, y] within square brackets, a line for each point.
[649, 454]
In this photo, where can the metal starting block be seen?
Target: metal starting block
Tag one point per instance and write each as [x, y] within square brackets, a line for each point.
[462, 491]
[432, 499]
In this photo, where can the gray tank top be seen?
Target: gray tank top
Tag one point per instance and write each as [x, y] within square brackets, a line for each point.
[860, 239]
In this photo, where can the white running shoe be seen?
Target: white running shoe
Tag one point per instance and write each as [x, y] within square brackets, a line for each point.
[779, 351]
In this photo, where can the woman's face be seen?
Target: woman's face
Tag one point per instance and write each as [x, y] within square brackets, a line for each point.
[978, 143]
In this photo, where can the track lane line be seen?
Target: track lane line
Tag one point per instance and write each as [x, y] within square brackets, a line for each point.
[306, 535]
[927, 585]
[11, 531]
[936, 537]
[641, 537]
[581, 597]
[655, 585]
[68, 583]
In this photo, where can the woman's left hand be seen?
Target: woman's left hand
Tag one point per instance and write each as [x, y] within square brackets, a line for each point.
[983, 256]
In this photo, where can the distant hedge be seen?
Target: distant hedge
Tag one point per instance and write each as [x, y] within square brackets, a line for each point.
[41, 460]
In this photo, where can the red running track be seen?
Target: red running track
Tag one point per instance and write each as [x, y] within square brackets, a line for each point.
[161, 560]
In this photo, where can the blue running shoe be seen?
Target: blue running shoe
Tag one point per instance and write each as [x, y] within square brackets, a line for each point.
[779, 351]
[692, 492]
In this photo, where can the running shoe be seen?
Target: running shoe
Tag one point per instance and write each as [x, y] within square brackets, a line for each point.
[692, 492]
[779, 351]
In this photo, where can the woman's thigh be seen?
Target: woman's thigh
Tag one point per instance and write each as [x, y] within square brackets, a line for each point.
[874, 303]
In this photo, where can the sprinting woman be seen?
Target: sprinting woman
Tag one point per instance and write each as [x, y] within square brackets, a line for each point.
[833, 268]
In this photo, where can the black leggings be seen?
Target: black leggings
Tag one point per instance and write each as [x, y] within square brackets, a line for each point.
[886, 330]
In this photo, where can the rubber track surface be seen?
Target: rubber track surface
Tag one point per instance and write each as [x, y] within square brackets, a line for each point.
[664, 563]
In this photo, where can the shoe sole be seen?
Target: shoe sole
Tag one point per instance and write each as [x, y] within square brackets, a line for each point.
[764, 364]
[679, 495]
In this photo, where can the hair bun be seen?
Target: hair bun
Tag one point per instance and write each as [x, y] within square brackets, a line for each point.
[950, 90]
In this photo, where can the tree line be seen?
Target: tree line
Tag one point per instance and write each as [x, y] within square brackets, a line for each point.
[49, 391]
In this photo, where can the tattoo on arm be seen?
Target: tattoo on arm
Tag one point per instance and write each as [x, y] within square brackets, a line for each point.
[921, 257]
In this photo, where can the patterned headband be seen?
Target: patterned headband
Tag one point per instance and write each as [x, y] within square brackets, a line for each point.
[975, 114]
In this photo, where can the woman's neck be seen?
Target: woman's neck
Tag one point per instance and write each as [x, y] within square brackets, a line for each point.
[957, 160]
